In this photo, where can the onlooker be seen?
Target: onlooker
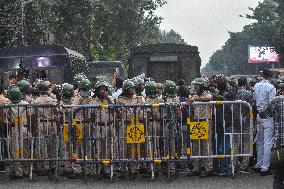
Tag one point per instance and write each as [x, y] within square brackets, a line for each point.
[276, 110]
[242, 121]
[264, 93]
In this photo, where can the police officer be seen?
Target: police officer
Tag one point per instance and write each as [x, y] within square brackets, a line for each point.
[202, 113]
[140, 87]
[18, 132]
[25, 87]
[77, 79]
[71, 170]
[45, 130]
[129, 97]
[171, 98]
[84, 118]
[103, 127]
[170, 92]
[153, 123]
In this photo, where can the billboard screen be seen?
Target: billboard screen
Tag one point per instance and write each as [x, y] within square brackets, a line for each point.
[262, 54]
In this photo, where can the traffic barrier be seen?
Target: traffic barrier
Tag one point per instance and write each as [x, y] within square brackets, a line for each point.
[110, 139]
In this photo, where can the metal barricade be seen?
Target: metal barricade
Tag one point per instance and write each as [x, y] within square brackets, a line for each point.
[106, 139]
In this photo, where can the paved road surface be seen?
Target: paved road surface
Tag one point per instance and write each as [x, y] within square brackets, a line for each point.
[251, 181]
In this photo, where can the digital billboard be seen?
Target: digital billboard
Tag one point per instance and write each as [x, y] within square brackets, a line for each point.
[262, 54]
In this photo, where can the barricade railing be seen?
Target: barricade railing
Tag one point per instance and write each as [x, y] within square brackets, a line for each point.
[109, 138]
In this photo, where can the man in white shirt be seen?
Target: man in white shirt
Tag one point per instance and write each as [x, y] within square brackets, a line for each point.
[264, 93]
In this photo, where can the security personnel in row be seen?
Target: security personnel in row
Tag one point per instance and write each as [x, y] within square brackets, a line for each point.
[17, 117]
[153, 125]
[202, 113]
[70, 169]
[140, 87]
[25, 88]
[77, 79]
[129, 97]
[103, 125]
[44, 127]
[170, 97]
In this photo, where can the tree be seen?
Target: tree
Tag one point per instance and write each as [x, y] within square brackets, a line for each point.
[266, 31]
[171, 37]
[100, 29]
[10, 23]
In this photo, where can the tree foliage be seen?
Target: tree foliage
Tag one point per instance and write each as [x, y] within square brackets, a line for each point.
[171, 37]
[267, 30]
[100, 29]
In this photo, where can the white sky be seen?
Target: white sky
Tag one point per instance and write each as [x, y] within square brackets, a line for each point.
[205, 23]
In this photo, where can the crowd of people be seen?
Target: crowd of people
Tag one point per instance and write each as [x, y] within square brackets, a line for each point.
[264, 94]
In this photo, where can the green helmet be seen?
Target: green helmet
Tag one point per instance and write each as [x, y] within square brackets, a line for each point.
[128, 84]
[200, 81]
[85, 85]
[67, 90]
[24, 86]
[139, 81]
[79, 77]
[151, 87]
[42, 86]
[58, 88]
[170, 88]
[101, 84]
[14, 94]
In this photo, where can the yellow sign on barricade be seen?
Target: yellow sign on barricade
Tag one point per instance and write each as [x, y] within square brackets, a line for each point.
[65, 132]
[18, 120]
[79, 130]
[135, 134]
[199, 130]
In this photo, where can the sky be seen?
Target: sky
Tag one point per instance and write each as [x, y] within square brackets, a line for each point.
[205, 23]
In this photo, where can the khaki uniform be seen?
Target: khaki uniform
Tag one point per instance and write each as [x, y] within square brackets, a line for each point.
[128, 150]
[28, 99]
[103, 131]
[84, 141]
[67, 146]
[203, 113]
[76, 98]
[153, 124]
[45, 132]
[19, 137]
